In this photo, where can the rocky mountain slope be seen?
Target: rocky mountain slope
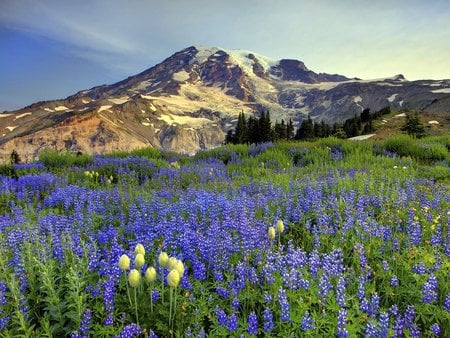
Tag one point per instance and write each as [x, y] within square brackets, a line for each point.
[189, 101]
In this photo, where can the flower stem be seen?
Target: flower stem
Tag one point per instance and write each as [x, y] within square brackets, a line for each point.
[135, 307]
[128, 288]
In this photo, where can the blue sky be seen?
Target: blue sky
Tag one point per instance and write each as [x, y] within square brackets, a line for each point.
[51, 49]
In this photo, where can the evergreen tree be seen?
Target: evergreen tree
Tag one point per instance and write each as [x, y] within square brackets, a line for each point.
[253, 131]
[413, 126]
[290, 130]
[306, 130]
[240, 132]
[280, 130]
[265, 127]
[366, 116]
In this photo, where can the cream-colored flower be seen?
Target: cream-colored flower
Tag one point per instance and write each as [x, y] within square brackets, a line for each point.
[139, 261]
[150, 274]
[139, 249]
[280, 226]
[173, 278]
[134, 277]
[163, 259]
[179, 266]
[171, 263]
[124, 262]
[271, 233]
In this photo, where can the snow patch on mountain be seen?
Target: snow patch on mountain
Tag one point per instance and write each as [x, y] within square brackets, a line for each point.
[60, 108]
[120, 100]
[103, 108]
[441, 91]
[181, 76]
[172, 119]
[392, 97]
[22, 115]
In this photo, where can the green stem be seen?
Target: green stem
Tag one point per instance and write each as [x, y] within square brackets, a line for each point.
[170, 308]
[128, 289]
[135, 307]
[174, 307]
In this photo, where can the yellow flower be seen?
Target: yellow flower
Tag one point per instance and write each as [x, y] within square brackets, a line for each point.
[179, 266]
[150, 274]
[139, 249]
[163, 259]
[124, 262]
[173, 278]
[139, 261]
[172, 263]
[134, 277]
[271, 233]
[280, 226]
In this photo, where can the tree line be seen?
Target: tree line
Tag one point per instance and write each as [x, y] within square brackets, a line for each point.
[257, 130]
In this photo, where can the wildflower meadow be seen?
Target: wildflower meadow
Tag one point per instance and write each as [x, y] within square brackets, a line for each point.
[331, 238]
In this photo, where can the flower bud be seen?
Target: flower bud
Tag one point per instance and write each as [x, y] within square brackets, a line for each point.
[150, 274]
[134, 277]
[280, 226]
[139, 261]
[163, 259]
[173, 278]
[271, 233]
[179, 266]
[139, 249]
[124, 262]
[171, 263]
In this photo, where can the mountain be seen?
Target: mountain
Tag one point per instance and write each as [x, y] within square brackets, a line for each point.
[190, 100]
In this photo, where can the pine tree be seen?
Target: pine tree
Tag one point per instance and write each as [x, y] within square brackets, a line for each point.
[306, 130]
[413, 126]
[240, 133]
[290, 130]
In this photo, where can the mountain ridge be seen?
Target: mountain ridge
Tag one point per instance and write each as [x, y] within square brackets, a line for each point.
[191, 99]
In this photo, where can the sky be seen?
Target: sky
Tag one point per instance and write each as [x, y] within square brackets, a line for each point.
[51, 49]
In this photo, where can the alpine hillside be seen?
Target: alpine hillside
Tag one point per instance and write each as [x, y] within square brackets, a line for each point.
[189, 101]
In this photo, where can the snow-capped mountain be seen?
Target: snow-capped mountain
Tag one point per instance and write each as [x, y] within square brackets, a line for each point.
[189, 101]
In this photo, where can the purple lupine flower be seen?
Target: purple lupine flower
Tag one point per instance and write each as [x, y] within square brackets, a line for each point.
[436, 238]
[447, 303]
[361, 293]
[414, 330]
[232, 323]
[222, 292]
[435, 329]
[397, 330]
[394, 281]
[341, 322]
[364, 306]
[324, 287]
[409, 316]
[252, 324]
[235, 303]
[371, 329]
[267, 297]
[108, 300]
[308, 322]
[340, 292]
[284, 304]
[419, 268]
[385, 265]
[374, 304]
[268, 320]
[221, 316]
[383, 324]
[85, 323]
[429, 292]
[129, 331]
